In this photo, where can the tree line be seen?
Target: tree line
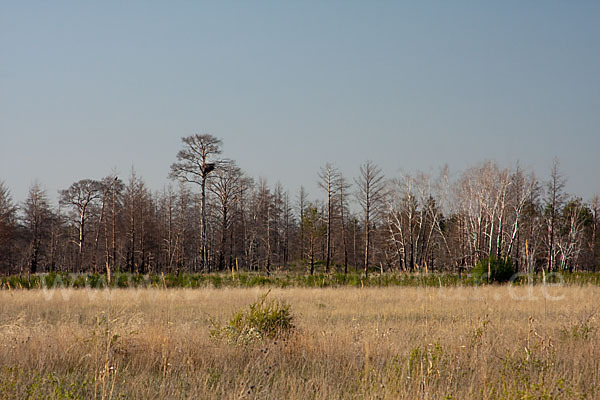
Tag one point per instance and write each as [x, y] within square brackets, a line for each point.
[214, 217]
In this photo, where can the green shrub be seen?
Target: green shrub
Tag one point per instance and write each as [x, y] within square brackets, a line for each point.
[500, 270]
[49, 279]
[262, 320]
[96, 281]
[217, 281]
[259, 280]
[123, 280]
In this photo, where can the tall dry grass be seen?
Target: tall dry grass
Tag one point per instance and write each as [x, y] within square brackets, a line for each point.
[427, 343]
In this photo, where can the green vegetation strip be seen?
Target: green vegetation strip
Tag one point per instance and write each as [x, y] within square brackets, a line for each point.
[279, 280]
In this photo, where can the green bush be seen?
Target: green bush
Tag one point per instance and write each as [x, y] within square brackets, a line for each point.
[123, 280]
[96, 281]
[262, 320]
[500, 270]
[259, 280]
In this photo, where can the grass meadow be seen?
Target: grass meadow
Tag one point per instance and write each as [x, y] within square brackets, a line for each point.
[487, 342]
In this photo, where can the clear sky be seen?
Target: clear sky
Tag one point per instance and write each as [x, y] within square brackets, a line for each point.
[86, 87]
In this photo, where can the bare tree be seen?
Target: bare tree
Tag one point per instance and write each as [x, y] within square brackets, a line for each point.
[370, 195]
[115, 188]
[37, 218]
[264, 207]
[343, 188]
[104, 189]
[7, 228]
[555, 198]
[278, 222]
[522, 189]
[593, 243]
[481, 195]
[328, 181]
[314, 227]
[436, 209]
[166, 216]
[111, 187]
[139, 233]
[288, 221]
[569, 241]
[131, 204]
[413, 218]
[302, 202]
[195, 163]
[181, 244]
[81, 196]
[244, 216]
[225, 188]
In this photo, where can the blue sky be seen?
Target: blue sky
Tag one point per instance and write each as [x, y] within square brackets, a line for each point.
[86, 87]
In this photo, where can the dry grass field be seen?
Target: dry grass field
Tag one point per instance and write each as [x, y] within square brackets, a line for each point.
[413, 343]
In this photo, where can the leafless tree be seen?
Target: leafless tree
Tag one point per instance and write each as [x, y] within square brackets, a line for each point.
[131, 204]
[278, 223]
[138, 210]
[81, 196]
[343, 187]
[288, 221]
[315, 229]
[244, 215]
[569, 240]
[595, 226]
[302, 202]
[110, 188]
[264, 206]
[194, 164]
[37, 218]
[370, 195]
[114, 188]
[481, 195]
[328, 181]
[225, 188]
[7, 228]
[555, 198]
[522, 190]
[413, 218]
